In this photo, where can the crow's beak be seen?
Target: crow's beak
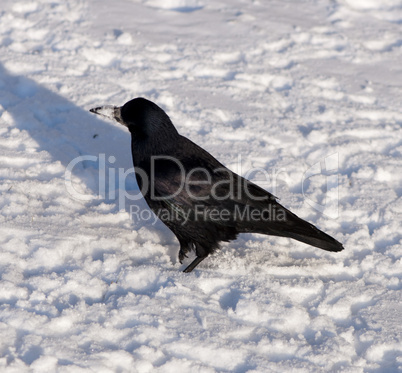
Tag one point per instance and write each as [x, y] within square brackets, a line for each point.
[109, 111]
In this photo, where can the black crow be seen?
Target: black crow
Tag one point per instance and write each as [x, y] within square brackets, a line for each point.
[198, 198]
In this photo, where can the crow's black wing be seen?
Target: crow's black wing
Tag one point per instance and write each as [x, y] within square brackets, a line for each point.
[192, 183]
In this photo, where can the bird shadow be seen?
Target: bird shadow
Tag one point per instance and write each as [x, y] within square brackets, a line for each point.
[97, 152]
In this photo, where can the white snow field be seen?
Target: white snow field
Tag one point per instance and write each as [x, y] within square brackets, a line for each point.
[302, 96]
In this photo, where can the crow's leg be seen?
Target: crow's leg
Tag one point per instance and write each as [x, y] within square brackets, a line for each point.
[194, 263]
[182, 254]
[185, 247]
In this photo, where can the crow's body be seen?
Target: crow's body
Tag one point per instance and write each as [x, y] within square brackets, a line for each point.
[198, 198]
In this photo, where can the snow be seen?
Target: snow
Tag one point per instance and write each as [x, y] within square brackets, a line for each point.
[304, 97]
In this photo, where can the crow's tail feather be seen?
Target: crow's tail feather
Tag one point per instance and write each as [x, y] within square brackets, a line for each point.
[303, 231]
[320, 240]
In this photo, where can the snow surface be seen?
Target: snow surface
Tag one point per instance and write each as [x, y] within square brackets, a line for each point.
[295, 88]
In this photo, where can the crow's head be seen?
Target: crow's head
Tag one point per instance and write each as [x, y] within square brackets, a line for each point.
[144, 119]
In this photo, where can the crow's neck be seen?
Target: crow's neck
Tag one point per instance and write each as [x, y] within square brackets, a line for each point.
[143, 148]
